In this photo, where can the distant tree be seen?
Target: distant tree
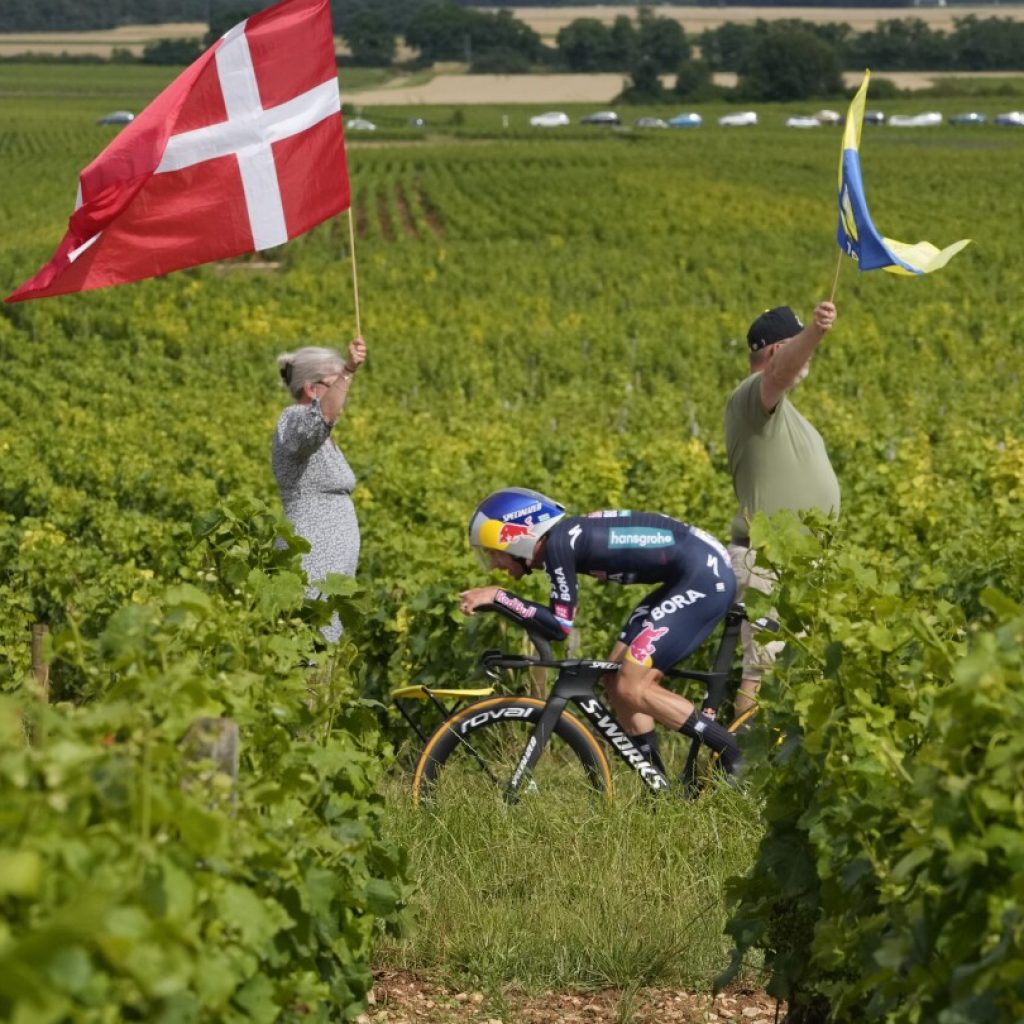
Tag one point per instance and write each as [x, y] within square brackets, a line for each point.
[901, 44]
[694, 81]
[789, 64]
[504, 32]
[622, 39]
[371, 39]
[987, 44]
[586, 45]
[661, 40]
[172, 51]
[724, 48]
[222, 20]
[644, 84]
[441, 31]
[500, 62]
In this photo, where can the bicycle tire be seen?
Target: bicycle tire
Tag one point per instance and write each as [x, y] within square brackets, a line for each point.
[496, 730]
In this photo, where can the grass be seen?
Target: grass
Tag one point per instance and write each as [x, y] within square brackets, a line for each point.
[565, 892]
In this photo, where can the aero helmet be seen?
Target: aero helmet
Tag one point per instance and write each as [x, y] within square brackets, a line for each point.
[513, 520]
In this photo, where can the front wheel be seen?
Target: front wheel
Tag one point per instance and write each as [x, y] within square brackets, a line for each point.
[482, 743]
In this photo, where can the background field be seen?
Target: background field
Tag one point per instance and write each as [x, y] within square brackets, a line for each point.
[547, 21]
[560, 311]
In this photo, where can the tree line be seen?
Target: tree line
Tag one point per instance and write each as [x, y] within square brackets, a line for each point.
[786, 59]
[64, 15]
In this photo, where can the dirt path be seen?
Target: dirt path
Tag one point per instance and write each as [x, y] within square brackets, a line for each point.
[400, 997]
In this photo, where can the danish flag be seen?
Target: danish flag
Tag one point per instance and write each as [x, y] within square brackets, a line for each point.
[242, 152]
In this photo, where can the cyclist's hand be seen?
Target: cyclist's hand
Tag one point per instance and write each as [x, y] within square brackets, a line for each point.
[470, 600]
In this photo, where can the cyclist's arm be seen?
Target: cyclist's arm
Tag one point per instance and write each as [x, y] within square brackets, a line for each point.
[520, 609]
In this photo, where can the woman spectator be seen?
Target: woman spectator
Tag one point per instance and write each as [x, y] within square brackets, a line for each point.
[314, 478]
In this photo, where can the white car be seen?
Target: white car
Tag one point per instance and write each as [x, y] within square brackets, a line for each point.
[928, 120]
[359, 124]
[828, 117]
[1011, 119]
[741, 120]
[802, 122]
[552, 119]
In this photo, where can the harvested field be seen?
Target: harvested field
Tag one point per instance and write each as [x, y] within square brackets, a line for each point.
[548, 20]
[100, 42]
[601, 88]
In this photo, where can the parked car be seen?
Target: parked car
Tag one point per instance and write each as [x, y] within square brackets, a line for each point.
[927, 120]
[687, 120]
[971, 117]
[417, 122]
[1013, 119]
[742, 120]
[117, 117]
[359, 124]
[649, 122]
[550, 119]
[828, 117]
[873, 117]
[608, 118]
[802, 122]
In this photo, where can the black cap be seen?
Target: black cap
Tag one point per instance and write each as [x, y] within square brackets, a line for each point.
[773, 325]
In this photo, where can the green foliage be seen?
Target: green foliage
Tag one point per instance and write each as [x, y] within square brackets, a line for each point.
[370, 39]
[694, 81]
[785, 63]
[138, 883]
[890, 764]
[444, 30]
[172, 51]
[559, 312]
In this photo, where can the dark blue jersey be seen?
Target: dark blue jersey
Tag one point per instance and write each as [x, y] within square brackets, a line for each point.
[617, 547]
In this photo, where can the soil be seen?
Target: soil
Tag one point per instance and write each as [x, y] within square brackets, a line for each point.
[402, 997]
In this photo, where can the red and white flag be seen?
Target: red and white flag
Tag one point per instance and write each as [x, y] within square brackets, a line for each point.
[242, 152]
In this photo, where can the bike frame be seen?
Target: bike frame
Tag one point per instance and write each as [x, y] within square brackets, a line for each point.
[576, 682]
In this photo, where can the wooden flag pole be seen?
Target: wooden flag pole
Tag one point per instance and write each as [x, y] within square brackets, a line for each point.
[355, 274]
[835, 280]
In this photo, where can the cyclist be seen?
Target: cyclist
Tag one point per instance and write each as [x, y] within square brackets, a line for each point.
[517, 530]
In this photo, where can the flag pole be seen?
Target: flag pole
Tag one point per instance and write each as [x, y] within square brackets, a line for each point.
[835, 280]
[355, 273]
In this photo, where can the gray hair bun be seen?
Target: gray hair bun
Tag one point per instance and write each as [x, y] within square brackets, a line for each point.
[285, 364]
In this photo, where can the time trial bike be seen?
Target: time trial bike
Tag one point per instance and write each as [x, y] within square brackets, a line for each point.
[525, 744]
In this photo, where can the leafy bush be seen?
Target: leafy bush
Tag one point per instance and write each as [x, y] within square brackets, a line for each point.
[139, 882]
[886, 885]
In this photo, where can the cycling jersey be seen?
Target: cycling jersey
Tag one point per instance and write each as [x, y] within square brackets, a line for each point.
[697, 582]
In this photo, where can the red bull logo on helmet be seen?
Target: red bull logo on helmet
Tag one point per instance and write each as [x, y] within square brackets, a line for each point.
[641, 650]
[510, 531]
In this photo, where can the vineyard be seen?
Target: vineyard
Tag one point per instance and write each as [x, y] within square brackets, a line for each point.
[560, 313]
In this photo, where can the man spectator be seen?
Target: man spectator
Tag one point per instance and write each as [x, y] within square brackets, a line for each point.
[777, 458]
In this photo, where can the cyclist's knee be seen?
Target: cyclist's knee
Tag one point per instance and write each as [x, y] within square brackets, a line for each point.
[633, 686]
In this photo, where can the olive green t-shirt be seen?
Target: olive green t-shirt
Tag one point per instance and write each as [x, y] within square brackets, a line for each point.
[777, 459]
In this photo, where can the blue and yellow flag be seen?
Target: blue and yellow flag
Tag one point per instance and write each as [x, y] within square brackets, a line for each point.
[856, 234]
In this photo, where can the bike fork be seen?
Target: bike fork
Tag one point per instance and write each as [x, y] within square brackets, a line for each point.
[540, 736]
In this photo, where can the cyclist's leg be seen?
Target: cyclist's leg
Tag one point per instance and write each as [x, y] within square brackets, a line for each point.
[682, 615]
[638, 726]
